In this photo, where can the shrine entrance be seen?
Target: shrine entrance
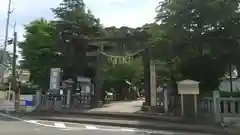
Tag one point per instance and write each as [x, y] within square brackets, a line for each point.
[116, 60]
[102, 57]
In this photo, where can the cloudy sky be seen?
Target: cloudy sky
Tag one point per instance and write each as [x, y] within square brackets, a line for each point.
[131, 13]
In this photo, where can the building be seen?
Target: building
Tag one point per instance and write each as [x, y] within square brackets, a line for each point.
[225, 85]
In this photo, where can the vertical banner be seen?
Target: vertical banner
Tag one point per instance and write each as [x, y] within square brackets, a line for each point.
[55, 78]
[153, 89]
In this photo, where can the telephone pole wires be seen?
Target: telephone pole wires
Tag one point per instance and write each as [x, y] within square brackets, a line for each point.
[6, 39]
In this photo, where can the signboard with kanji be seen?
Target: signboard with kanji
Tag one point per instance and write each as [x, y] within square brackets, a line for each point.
[55, 78]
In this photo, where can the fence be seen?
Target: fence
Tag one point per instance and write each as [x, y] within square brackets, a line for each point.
[229, 106]
[212, 107]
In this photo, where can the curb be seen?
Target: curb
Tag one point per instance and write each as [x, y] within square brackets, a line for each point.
[137, 116]
[216, 131]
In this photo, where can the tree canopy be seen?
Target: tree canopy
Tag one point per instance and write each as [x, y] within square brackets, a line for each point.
[191, 39]
[75, 27]
[202, 37]
[38, 51]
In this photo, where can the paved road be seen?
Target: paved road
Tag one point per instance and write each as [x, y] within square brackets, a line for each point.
[15, 126]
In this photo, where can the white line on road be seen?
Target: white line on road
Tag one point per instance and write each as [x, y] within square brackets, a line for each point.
[36, 122]
[12, 117]
[129, 130]
[28, 121]
[91, 127]
[69, 128]
[59, 125]
[32, 121]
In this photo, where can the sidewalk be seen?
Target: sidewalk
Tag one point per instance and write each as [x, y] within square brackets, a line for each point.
[120, 107]
[143, 124]
[231, 119]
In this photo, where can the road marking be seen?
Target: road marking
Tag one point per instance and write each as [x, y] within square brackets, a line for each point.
[129, 130]
[12, 117]
[67, 129]
[27, 121]
[91, 127]
[59, 125]
[32, 121]
[161, 132]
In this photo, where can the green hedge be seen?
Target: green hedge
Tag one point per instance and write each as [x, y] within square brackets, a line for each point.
[29, 89]
[229, 94]
[223, 94]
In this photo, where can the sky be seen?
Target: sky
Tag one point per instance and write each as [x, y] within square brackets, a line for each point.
[132, 13]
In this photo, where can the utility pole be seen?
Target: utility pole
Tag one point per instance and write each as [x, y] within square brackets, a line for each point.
[6, 39]
[14, 76]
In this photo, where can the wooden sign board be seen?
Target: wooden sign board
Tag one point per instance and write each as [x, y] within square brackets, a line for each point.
[188, 87]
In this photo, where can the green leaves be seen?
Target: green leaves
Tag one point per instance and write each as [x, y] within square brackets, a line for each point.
[132, 72]
[75, 27]
[38, 50]
[200, 33]
[60, 43]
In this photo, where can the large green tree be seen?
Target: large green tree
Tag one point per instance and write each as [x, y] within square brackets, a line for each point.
[75, 27]
[202, 37]
[38, 52]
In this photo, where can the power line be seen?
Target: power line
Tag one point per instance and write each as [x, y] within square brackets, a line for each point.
[7, 23]
[9, 11]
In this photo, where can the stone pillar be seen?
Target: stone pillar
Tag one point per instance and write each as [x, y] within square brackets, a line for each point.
[49, 104]
[99, 79]
[216, 106]
[165, 93]
[68, 98]
[153, 88]
[57, 104]
[38, 98]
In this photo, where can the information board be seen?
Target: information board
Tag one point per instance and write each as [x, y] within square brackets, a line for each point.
[55, 78]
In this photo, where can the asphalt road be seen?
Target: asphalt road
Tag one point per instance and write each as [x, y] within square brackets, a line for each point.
[15, 126]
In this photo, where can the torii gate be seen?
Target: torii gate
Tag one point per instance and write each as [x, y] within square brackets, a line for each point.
[146, 55]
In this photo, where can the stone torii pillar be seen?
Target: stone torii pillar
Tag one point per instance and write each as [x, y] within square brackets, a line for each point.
[99, 78]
